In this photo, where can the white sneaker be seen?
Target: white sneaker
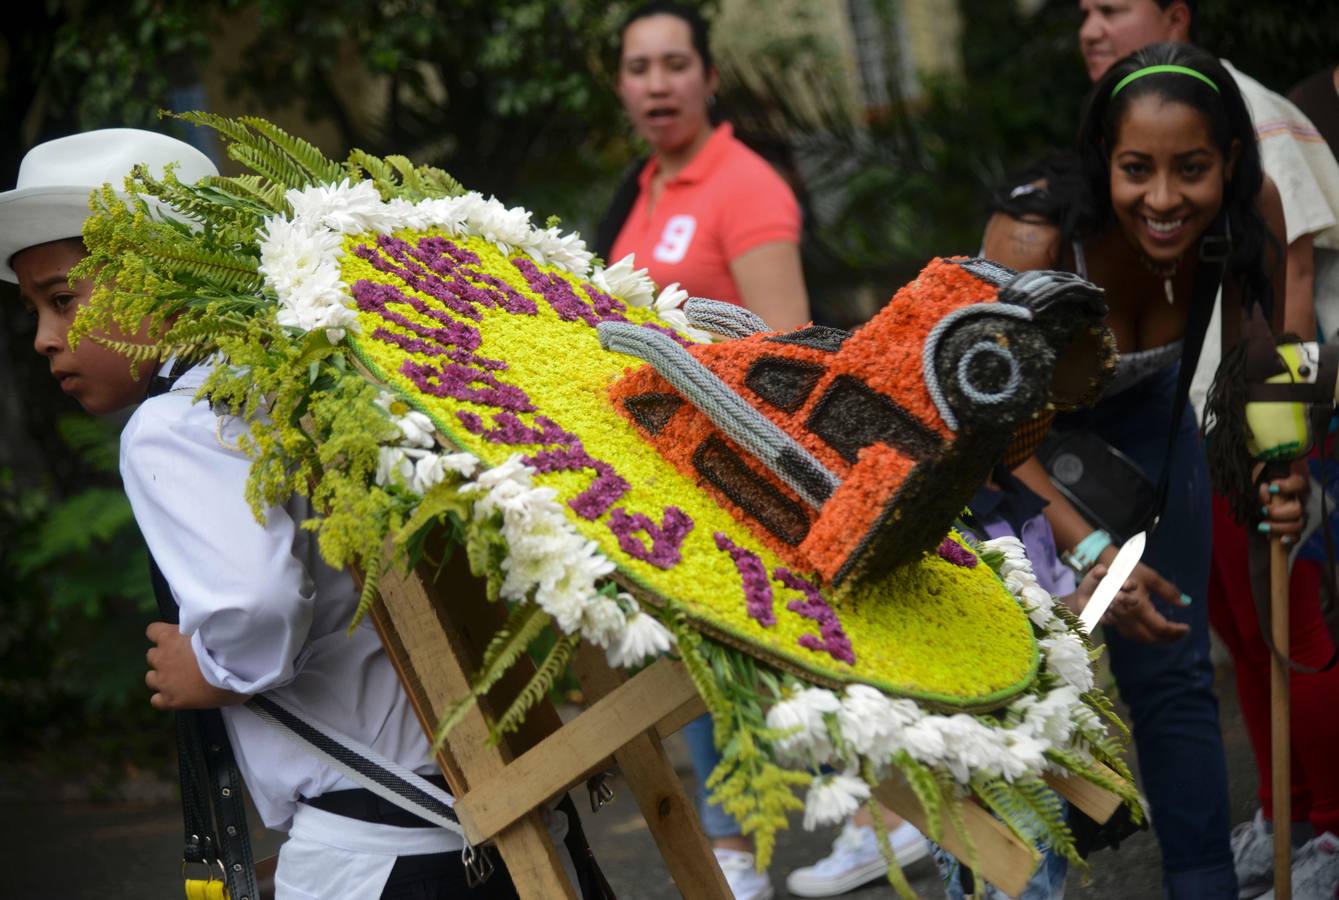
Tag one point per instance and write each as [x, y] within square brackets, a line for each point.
[1253, 856]
[855, 860]
[1315, 870]
[741, 874]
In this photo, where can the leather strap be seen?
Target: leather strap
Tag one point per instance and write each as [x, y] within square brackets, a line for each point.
[1214, 249]
[211, 785]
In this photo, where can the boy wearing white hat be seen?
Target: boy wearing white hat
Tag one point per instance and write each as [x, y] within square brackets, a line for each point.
[260, 612]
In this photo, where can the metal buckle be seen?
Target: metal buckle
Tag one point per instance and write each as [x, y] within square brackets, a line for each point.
[209, 869]
[601, 792]
[478, 864]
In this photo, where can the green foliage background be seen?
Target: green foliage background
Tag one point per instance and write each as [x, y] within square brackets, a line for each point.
[513, 97]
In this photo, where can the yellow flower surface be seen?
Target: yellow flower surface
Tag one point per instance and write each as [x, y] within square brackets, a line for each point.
[529, 352]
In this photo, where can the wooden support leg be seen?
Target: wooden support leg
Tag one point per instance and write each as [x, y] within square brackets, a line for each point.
[1280, 717]
[427, 652]
[1097, 803]
[1001, 858]
[667, 809]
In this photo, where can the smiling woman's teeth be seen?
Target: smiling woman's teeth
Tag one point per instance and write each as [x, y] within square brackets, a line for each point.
[1164, 227]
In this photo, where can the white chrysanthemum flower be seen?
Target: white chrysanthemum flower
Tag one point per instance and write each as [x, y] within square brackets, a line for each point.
[512, 469]
[670, 298]
[1018, 753]
[668, 307]
[394, 467]
[1009, 545]
[494, 222]
[291, 254]
[925, 741]
[429, 471]
[969, 746]
[832, 799]
[415, 427]
[1067, 658]
[447, 213]
[603, 622]
[400, 213]
[623, 280]
[550, 246]
[643, 637]
[873, 723]
[347, 208]
[301, 265]
[461, 463]
[801, 717]
[1051, 718]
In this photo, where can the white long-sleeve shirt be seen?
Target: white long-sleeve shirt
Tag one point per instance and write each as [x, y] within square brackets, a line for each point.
[264, 612]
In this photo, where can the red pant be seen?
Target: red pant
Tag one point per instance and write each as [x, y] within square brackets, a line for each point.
[1315, 698]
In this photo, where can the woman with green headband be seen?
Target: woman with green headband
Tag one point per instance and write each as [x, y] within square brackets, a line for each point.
[1166, 176]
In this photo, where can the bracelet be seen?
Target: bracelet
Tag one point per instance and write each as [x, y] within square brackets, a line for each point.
[1085, 552]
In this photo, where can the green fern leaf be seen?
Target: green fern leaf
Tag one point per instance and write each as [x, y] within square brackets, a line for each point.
[926, 787]
[539, 686]
[315, 163]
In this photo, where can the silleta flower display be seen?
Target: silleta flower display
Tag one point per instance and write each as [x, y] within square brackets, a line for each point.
[416, 357]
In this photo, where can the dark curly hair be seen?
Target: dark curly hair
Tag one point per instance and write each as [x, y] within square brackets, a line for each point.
[697, 25]
[1073, 190]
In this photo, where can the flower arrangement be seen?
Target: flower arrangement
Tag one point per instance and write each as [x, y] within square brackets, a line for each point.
[415, 357]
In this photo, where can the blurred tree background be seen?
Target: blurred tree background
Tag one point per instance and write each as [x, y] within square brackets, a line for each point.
[514, 97]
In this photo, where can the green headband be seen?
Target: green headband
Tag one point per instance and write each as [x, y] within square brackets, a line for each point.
[1158, 70]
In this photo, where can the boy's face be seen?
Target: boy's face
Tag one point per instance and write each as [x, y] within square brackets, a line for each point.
[99, 378]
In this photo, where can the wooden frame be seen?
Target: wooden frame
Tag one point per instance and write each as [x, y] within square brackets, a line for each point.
[434, 632]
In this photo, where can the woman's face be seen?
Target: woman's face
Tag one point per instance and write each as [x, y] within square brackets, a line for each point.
[662, 83]
[1167, 176]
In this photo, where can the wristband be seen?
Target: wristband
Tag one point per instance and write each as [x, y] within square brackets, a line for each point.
[1085, 552]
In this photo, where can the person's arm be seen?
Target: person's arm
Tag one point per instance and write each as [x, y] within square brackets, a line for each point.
[246, 602]
[1022, 245]
[771, 284]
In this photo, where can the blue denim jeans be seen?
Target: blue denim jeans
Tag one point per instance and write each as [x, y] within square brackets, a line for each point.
[1047, 883]
[716, 822]
[1170, 687]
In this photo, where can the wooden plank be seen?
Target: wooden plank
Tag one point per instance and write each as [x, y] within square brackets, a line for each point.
[562, 758]
[678, 718]
[669, 812]
[1098, 803]
[428, 652]
[1002, 859]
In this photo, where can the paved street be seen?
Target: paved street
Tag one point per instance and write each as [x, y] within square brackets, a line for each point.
[60, 844]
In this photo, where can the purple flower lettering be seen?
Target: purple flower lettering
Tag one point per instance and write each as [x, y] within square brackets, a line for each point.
[833, 640]
[957, 554]
[753, 574]
[666, 538]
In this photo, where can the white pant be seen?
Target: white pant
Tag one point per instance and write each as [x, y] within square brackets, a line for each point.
[330, 857]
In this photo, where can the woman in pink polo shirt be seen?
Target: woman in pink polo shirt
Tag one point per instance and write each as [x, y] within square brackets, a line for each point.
[708, 212]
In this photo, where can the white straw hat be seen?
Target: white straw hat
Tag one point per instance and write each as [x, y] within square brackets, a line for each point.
[50, 201]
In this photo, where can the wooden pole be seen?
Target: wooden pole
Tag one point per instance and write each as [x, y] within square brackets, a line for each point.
[1280, 718]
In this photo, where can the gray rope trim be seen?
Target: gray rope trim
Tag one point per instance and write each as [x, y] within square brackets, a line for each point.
[722, 318]
[981, 397]
[361, 764]
[937, 333]
[726, 409]
[1038, 289]
[987, 270]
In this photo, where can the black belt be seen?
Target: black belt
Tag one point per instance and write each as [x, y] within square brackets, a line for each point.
[365, 806]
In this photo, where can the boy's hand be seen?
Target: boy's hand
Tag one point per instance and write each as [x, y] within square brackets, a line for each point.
[174, 673]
